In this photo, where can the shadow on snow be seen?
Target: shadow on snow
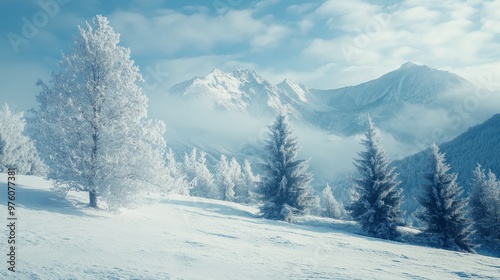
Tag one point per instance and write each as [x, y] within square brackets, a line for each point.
[41, 200]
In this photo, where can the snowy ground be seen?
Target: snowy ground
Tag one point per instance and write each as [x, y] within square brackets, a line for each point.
[187, 238]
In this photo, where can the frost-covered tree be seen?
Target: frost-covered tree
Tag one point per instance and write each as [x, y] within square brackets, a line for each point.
[198, 173]
[330, 207]
[236, 175]
[377, 207]
[92, 124]
[189, 164]
[177, 180]
[245, 191]
[2, 147]
[225, 179]
[286, 184]
[485, 204]
[443, 209]
[205, 179]
[17, 150]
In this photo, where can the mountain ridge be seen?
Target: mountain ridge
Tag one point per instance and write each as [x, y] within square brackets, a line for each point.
[340, 111]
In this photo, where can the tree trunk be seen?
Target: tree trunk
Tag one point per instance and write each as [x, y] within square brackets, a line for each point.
[92, 199]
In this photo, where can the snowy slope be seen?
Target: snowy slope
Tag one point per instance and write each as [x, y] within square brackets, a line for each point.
[186, 238]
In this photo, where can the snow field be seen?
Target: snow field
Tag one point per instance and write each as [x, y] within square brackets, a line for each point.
[193, 238]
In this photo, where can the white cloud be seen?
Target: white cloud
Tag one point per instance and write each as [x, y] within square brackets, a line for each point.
[168, 32]
[441, 34]
[417, 14]
[300, 8]
[305, 26]
[347, 15]
[262, 4]
[270, 37]
[491, 16]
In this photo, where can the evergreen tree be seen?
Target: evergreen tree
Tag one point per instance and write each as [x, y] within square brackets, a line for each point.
[485, 204]
[443, 210]
[286, 185]
[246, 190]
[237, 178]
[205, 178]
[17, 150]
[202, 180]
[178, 182]
[92, 125]
[377, 207]
[225, 178]
[189, 165]
[330, 207]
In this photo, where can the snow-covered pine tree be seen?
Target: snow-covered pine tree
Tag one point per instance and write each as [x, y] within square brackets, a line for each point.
[237, 177]
[205, 179]
[92, 124]
[443, 210]
[485, 204]
[17, 150]
[225, 179]
[178, 182]
[330, 207]
[189, 165]
[377, 207]
[245, 191]
[200, 177]
[286, 185]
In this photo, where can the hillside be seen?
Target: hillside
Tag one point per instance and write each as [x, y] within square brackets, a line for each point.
[479, 144]
[187, 238]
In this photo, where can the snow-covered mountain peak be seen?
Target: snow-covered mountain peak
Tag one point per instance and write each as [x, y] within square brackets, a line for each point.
[217, 75]
[408, 65]
[248, 75]
[216, 71]
[246, 91]
[290, 86]
[243, 72]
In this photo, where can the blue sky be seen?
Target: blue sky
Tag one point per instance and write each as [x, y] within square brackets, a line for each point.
[322, 44]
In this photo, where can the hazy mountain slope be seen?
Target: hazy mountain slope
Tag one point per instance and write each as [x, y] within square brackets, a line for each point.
[385, 97]
[188, 238]
[479, 144]
[410, 83]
